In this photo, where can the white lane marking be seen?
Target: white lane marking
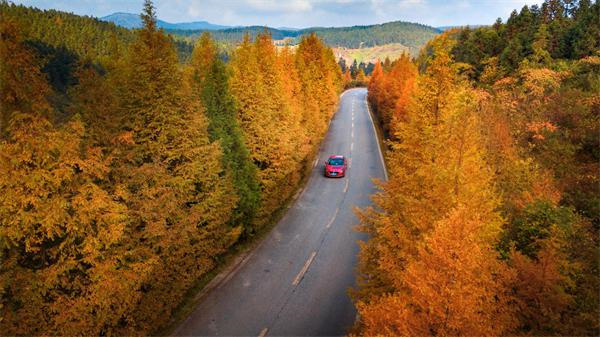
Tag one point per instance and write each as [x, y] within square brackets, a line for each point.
[346, 187]
[332, 218]
[316, 162]
[263, 332]
[385, 173]
[351, 146]
[304, 269]
[352, 133]
[349, 163]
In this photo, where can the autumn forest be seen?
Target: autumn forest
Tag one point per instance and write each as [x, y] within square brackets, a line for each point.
[488, 225]
[122, 192]
[133, 161]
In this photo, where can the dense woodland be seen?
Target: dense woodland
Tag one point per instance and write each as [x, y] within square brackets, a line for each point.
[59, 37]
[125, 184]
[412, 35]
[489, 223]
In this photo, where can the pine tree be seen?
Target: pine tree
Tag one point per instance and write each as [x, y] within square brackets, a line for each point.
[375, 87]
[211, 80]
[257, 86]
[170, 177]
[320, 79]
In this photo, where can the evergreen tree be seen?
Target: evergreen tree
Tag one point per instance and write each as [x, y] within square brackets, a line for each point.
[211, 80]
[170, 177]
[320, 79]
[342, 63]
[257, 88]
[354, 69]
[540, 55]
[375, 87]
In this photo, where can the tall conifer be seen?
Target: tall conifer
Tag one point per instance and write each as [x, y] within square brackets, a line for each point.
[212, 84]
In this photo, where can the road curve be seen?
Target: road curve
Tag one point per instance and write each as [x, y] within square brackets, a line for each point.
[296, 281]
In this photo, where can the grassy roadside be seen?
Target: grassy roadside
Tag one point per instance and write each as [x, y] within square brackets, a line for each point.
[235, 257]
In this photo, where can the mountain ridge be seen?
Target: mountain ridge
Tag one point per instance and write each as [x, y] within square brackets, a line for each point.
[411, 35]
[130, 20]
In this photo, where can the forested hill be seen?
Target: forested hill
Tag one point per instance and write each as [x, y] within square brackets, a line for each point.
[83, 35]
[412, 35]
[92, 38]
[62, 38]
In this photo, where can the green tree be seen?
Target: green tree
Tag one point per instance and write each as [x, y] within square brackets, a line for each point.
[170, 177]
[212, 82]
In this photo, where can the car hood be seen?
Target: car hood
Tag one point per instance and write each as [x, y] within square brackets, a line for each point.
[334, 168]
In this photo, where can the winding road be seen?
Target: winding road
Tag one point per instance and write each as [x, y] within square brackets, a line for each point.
[296, 281]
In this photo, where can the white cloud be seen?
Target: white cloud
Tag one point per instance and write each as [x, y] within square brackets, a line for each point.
[280, 6]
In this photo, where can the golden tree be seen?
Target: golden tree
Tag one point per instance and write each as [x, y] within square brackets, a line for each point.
[430, 266]
[169, 177]
[58, 227]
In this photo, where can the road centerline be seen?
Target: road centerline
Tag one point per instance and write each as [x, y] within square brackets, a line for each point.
[333, 218]
[304, 269]
[263, 332]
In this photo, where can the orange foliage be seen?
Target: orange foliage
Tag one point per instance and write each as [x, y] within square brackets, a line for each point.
[469, 167]
[390, 92]
[439, 200]
[541, 288]
[455, 286]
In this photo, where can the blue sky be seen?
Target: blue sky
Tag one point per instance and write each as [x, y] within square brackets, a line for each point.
[302, 13]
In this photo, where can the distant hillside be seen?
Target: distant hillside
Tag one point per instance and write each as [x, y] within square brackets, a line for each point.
[128, 20]
[63, 39]
[411, 35]
[86, 36]
[91, 37]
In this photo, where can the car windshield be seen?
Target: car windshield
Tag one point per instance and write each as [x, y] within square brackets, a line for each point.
[336, 161]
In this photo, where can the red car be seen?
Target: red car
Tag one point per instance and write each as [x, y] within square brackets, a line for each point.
[336, 166]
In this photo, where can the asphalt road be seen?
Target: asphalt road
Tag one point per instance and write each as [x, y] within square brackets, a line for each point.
[295, 283]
